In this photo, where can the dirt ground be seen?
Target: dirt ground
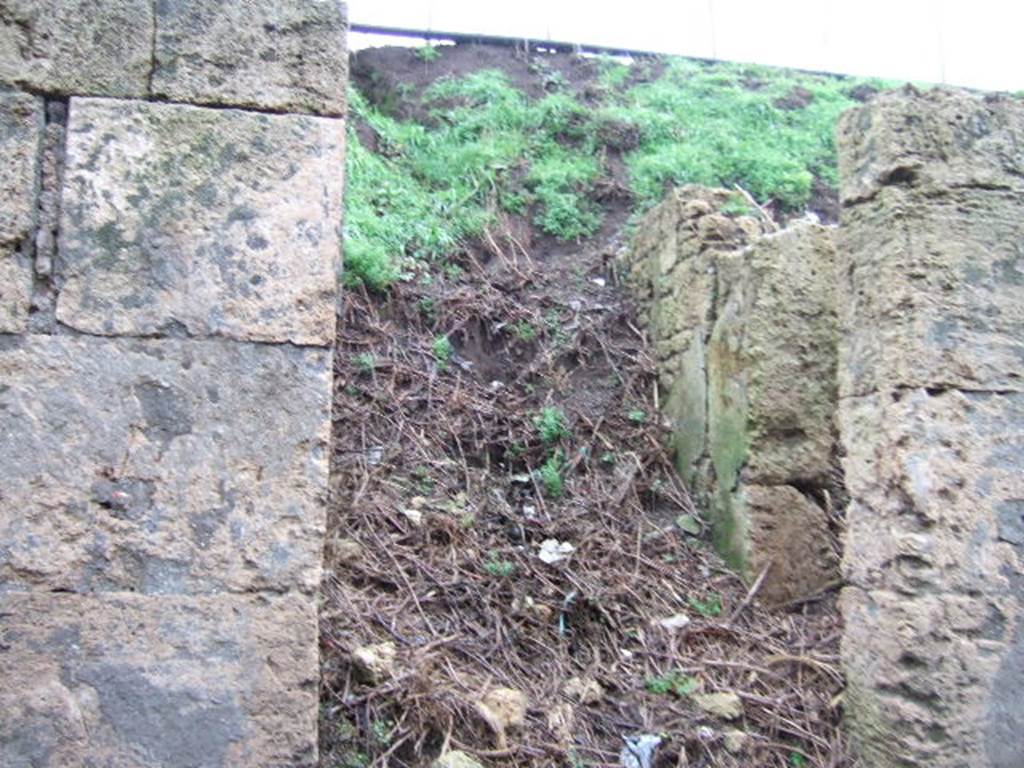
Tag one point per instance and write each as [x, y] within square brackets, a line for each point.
[436, 595]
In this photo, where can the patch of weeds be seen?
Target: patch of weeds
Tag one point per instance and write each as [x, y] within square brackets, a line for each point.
[737, 205]
[707, 608]
[797, 760]
[427, 307]
[467, 521]
[423, 480]
[451, 270]
[428, 53]
[498, 567]
[675, 683]
[524, 330]
[365, 362]
[551, 425]
[551, 475]
[637, 416]
[443, 350]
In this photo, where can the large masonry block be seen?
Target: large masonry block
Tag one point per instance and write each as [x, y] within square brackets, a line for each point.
[21, 130]
[936, 291]
[161, 466]
[263, 54]
[932, 421]
[130, 681]
[77, 46]
[931, 142]
[185, 220]
[744, 328]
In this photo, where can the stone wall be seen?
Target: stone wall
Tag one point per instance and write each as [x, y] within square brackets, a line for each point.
[931, 297]
[170, 203]
[744, 329]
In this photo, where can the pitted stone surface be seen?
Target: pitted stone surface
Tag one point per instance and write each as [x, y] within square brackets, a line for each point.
[21, 127]
[21, 131]
[131, 681]
[932, 422]
[744, 327]
[77, 46]
[934, 287]
[161, 466]
[931, 142]
[261, 54]
[186, 220]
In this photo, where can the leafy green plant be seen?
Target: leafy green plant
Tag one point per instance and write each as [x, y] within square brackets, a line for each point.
[551, 475]
[443, 351]
[428, 53]
[551, 425]
[637, 416]
[524, 330]
[797, 760]
[365, 362]
[675, 682]
[498, 567]
[707, 608]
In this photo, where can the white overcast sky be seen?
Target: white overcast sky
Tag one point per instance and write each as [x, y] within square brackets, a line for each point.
[977, 43]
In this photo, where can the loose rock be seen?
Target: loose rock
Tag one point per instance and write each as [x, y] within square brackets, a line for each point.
[726, 706]
[375, 663]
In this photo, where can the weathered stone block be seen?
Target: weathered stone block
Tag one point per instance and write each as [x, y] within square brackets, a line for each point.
[162, 466]
[21, 131]
[931, 142]
[932, 680]
[205, 222]
[77, 46]
[15, 289]
[262, 54]
[772, 360]
[937, 485]
[128, 680]
[932, 291]
[778, 529]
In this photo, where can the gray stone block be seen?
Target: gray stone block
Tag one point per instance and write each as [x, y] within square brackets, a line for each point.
[931, 292]
[15, 289]
[201, 222]
[130, 681]
[21, 132]
[264, 54]
[77, 46]
[161, 466]
[931, 142]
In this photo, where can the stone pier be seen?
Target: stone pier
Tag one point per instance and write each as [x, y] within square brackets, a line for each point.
[931, 371]
[170, 204]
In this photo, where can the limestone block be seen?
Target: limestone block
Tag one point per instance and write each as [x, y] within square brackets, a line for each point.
[931, 292]
[21, 131]
[15, 289]
[937, 486]
[932, 680]
[161, 466]
[77, 46]
[21, 126]
[772, 360]
[787, 533]
[184, 220]
[265, 54]
[931, 142]
[131, 681]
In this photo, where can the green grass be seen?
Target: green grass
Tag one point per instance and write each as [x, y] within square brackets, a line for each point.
[551, 425]
[443, 350]
[491, 148]
[551, 474]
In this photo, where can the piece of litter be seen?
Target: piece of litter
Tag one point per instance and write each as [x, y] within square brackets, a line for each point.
[529, 511]
[639, 751]
[414, 516]
[673, 623]
[600, 282]
[553, 550]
